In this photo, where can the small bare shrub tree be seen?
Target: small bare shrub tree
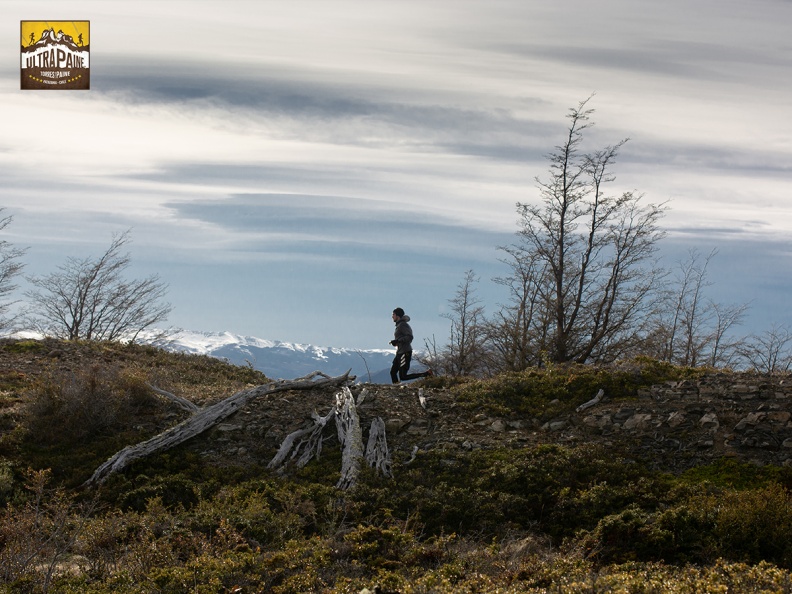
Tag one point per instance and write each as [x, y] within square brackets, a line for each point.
[518, 333]
[10, 267]
[693, 329]
[464, 354]
[90, 299]
[771, 351]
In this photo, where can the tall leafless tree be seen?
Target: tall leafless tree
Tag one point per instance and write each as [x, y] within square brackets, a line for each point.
[598, 250]
[10, 268]
[90, 299]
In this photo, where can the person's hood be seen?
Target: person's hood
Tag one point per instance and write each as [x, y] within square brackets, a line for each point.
[403, 319]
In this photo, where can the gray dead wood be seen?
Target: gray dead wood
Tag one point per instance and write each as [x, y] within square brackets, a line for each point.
[182, 403]
[422, 398]
[311, 445]
[596, 400]
[377, 454]
[351, 438]
[207, 417]
[307, 442]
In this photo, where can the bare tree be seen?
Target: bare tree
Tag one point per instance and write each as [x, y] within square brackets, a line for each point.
[517, 334]
[598, 251]
[771, 351]
[10, 267]
[695, 330]
[724, 350]
[89, 299]
[463, 354]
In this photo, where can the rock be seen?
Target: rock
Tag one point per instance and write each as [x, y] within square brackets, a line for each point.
[555, 425]
[751, 420]
[638, 421]
[598, 422]
[780, 416]
[395, 425]
[418, 427]
[676, 418]
[498, 426]
[709, 421]
[623, 414]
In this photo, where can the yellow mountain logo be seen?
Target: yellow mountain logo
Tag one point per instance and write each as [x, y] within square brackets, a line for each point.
[55, 55]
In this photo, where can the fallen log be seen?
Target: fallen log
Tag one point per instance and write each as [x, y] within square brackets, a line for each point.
[596, 400]
[206, 418]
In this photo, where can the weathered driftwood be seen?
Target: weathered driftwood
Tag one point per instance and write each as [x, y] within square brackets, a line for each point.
[311, 446]
[182, 403]
[207, 417]
[350, 436]
[592, 402]
[377, 454]
[309, 441]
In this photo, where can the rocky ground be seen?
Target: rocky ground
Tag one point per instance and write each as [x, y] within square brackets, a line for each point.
[672, 426]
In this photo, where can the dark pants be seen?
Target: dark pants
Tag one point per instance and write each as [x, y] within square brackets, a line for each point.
[401, 365]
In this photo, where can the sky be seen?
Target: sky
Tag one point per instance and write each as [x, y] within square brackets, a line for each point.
[295, 170]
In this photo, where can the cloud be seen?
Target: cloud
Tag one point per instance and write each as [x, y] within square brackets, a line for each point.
[379, 148]
[286, 226]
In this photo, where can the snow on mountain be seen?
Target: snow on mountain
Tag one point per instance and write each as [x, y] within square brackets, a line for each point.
[277, 360]
[280, 359]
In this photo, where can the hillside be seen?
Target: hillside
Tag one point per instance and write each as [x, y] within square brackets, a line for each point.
[634, 477]
[673, 425]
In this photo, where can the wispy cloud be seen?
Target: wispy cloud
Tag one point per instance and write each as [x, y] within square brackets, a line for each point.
[353, 153]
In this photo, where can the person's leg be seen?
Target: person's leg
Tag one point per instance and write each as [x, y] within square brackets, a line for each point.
[403, 369]
[395, 369]
[404, 365]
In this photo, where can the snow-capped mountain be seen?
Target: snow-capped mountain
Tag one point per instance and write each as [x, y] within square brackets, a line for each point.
[282, 359]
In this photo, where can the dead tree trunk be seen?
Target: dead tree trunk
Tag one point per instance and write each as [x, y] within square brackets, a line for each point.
[377, 454]
[205, 418]
[311, 446]
[350, 436]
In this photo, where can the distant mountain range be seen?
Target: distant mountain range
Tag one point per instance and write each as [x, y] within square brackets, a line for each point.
[277, 360]
[284, 360]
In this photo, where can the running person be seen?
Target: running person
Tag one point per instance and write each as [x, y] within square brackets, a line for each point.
[402, 340]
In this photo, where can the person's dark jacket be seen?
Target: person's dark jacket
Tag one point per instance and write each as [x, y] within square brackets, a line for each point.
[403, 336]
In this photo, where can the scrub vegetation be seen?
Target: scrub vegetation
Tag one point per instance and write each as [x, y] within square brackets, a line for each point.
[578, 517]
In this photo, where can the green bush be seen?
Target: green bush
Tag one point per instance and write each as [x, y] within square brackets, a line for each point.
[558, 389]
[743, 526]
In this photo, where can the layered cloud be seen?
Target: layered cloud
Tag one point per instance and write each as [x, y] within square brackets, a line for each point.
[325, 139]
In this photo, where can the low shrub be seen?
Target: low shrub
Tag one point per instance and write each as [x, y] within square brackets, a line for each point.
[558, 389]
[67, 407]
[743, 526]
